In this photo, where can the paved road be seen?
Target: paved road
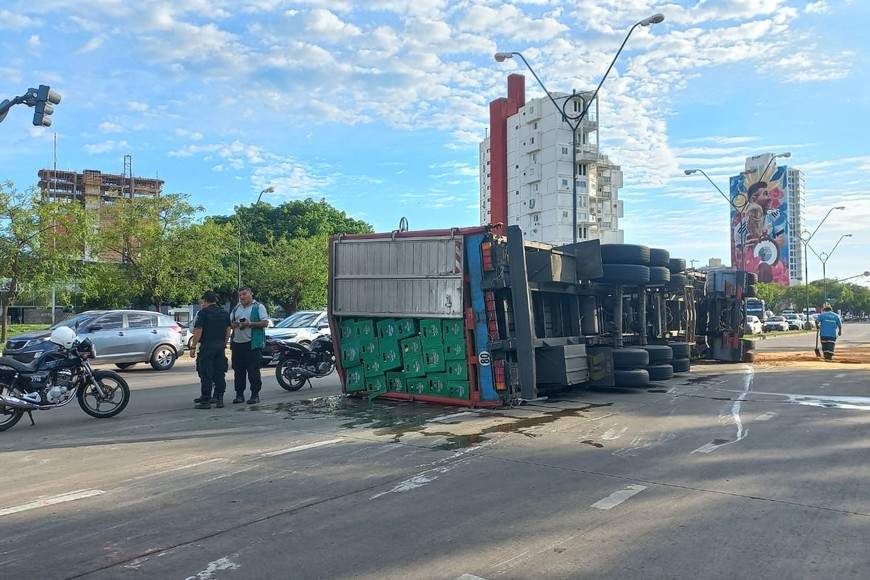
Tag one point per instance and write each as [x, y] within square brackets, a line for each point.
[730, 471]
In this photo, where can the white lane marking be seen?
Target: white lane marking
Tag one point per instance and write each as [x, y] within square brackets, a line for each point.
[212, 567]
[858, 403]
[617, 497]
[47, 501]
[612, 434]
[188, 466]
[470, 577]
[735, 416]
[766, 416]
[300, 448]
[429, 475]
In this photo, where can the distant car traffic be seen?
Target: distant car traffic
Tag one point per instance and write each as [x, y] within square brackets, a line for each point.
[794, 321]
[753, 325]
[776, 324]
[122, 337]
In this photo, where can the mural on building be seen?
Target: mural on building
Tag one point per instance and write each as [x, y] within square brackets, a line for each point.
[759, 225]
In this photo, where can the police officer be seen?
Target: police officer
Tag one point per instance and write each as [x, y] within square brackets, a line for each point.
[211, 331]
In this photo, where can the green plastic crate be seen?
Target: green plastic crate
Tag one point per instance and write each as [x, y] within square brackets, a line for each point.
[391, 355]
[411, 347]
[378, 383]
[417, 385]
[430, 328]
[350, 353]
[458, 390]
[373, 367]
[347, 329]
[452, 328]
[438, 385]
[386, 329]
[396, 382]
[365, 329]
[454, 349]
[433, 359]
[457, 369]
[406, 327]
[354, 379]
[413, 367]
[368, 348]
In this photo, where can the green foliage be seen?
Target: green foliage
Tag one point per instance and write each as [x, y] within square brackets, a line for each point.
[39, 240]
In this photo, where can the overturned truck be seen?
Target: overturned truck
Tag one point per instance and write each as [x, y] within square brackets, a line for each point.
[471, 317]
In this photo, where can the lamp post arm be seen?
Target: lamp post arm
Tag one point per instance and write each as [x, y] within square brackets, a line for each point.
[607, 72]
[820, 223]
[541, 83]
[838, 243]
[722, 193]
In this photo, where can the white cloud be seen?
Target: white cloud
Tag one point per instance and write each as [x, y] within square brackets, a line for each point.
[819, 7]
[106, 127]
[105, 146]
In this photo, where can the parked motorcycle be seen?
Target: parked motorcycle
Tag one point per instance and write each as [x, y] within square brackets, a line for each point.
[298, 364]
[55, 378]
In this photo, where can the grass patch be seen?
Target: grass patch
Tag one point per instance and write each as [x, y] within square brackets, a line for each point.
[14, 329]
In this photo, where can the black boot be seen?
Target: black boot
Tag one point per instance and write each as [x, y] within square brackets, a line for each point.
[240, 398]
[218, 400]
[205, 405]
[254, 399]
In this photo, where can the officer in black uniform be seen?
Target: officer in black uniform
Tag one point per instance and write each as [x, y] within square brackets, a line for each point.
[211, 331]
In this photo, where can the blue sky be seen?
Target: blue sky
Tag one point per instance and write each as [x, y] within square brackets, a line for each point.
[378, 106]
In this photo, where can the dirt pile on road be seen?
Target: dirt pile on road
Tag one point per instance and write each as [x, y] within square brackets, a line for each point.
[853, 356]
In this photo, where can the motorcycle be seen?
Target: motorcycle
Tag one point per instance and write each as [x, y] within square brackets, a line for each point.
[54, 379]
[298, 364]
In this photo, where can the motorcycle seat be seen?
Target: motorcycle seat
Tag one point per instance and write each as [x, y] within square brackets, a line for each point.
[19, 366]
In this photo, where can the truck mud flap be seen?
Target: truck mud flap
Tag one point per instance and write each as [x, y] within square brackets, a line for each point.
[600, 366]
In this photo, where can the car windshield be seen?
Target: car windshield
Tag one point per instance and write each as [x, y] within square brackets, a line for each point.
[776, 319]
[298, 320]
[77, 321]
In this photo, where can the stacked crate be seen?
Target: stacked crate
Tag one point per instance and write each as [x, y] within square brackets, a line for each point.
[417, 356]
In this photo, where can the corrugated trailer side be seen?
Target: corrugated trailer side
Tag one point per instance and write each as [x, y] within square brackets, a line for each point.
[402, 309]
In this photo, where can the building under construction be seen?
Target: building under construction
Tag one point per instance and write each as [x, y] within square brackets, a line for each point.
[95, 190]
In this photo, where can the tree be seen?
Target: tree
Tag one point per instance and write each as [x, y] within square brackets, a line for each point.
[39, 240]
[292, 273]
[772, 294]
[165, 258]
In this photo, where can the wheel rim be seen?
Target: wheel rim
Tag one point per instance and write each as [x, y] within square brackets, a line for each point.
[164, 357]
[293, 379]
[8, 414]
[114, 395]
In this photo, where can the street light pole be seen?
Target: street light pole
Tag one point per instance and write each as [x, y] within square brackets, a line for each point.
[734, 207]
[574, 121]
[805, 239]
[824, 260]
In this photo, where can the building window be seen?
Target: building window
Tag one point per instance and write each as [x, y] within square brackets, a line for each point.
[534, 187]
[564, 214]
[531, 203]
[565, 183]
[531, 140]
[531, 108]
[582, 169]
[564, 150]
[535, 125]
[536, 218]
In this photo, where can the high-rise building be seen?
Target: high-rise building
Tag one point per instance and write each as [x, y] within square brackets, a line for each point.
[95, 190]
[765, 233]
[526, 175]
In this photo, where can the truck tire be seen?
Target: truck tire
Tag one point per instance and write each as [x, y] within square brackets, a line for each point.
[624, 254]
[659, 353]
[680, 349]
[661, 372]
[681, 365]
[678, 282]
[658, 276]
[630, 358]
[631, 378]
[624, 274]
[747, 344]
[677, 265]
[659, 257]
[748, 356]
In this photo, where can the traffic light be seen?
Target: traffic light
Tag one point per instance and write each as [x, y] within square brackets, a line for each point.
[45, 98]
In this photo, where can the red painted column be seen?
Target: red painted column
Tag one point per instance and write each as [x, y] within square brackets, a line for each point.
[499, 111]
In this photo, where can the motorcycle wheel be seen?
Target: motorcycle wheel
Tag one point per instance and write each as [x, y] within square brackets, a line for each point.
[8, 416]
[117, 395]
[288, 380]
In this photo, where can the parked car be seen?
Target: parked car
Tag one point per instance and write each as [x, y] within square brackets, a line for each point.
[794, 321]
[753, 325]
[776, 323]
[122, 337]
[302, 327]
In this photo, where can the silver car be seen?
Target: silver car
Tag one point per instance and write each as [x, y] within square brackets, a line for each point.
[122, 337]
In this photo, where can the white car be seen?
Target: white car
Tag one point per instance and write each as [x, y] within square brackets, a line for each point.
[753, 325]
[302, 327]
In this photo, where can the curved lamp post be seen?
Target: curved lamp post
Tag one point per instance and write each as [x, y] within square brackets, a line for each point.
[574, 121]
[734, 207]
[269, 189]
[824, 256]
[806, 236]
[769, 163]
